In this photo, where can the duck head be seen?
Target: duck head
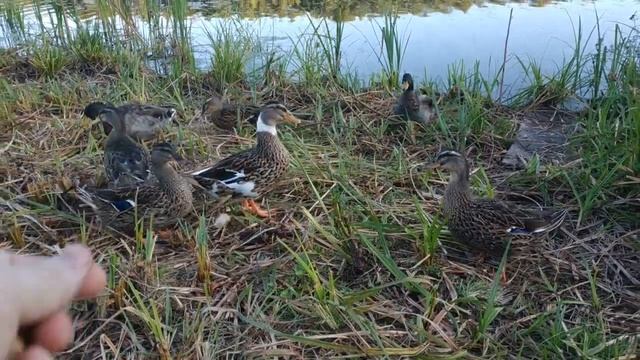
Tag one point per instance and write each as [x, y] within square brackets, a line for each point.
[407, 82]
[163, 153]
[273, 114]
[451, 161]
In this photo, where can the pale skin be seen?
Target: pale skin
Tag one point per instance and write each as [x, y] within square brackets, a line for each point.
[35, 292]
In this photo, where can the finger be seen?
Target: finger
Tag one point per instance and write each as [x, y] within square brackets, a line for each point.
[8, 330]
[93, 284]
[55, 333]
[35, 353]
[46, 286]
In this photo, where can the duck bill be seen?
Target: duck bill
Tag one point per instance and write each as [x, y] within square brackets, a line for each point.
[405, 85]
[291, 119]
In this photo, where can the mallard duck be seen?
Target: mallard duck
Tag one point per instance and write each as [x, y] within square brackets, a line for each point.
[144, 122]
[165, 201]
[414, 107]
[252, 172]
[126, 162]
[223, 114]
[482, 223]
[220, 112]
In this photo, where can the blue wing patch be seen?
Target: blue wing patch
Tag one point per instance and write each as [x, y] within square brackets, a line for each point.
[518, 231]
[123, 205]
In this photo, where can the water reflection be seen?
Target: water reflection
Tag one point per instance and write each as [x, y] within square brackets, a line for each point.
[252, 9]
[438, 33]
[335, 9]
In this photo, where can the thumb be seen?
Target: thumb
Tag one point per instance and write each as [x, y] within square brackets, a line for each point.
[40, 286]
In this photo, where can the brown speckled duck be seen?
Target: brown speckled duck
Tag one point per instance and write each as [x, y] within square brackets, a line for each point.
[220, 112]
[483, 223]
[166, 201]
[251, 173]
[144, 122]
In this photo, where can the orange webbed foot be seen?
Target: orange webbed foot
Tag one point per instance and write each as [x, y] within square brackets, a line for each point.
[251, 206]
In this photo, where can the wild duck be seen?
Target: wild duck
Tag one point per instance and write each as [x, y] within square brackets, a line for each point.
[162, 202]
[126, 162]
[412, 106]
[144, 122]
[251, 173]
[220, 112]
[483, 223]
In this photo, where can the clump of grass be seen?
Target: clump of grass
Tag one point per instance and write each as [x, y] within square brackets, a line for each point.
[329, 43]
[183, 59]
[49, 60]
[148, 312]
[231, 48]
[428, 243]
[482, 183]
[491, 310]
[116, 283]
[89, 45]
[310, 61]
[16, 232]
[393, 49]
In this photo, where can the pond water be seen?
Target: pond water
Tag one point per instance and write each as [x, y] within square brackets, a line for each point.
[438, 34]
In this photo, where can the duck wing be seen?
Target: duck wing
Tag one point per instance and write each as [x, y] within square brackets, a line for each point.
[510, 219]
[235, 173]
[124, 199]
[539, 221]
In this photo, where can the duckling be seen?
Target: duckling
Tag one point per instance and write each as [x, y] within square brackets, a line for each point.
[413, 107]
[126, 162]
[483, 223]
[165, 201]
[252, 173]
[144, 122]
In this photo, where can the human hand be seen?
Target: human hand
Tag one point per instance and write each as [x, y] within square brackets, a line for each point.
[34, 294]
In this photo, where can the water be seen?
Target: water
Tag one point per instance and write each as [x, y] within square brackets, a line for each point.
[438, 35]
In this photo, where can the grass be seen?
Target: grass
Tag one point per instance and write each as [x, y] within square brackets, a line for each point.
[357, 261]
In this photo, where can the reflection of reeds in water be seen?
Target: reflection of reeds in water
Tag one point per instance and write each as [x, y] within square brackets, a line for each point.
[333, 9]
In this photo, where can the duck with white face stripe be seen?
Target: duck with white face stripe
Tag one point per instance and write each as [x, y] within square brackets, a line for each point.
[251, 173]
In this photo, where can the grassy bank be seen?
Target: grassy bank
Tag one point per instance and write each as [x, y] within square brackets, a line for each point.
[356, 262]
